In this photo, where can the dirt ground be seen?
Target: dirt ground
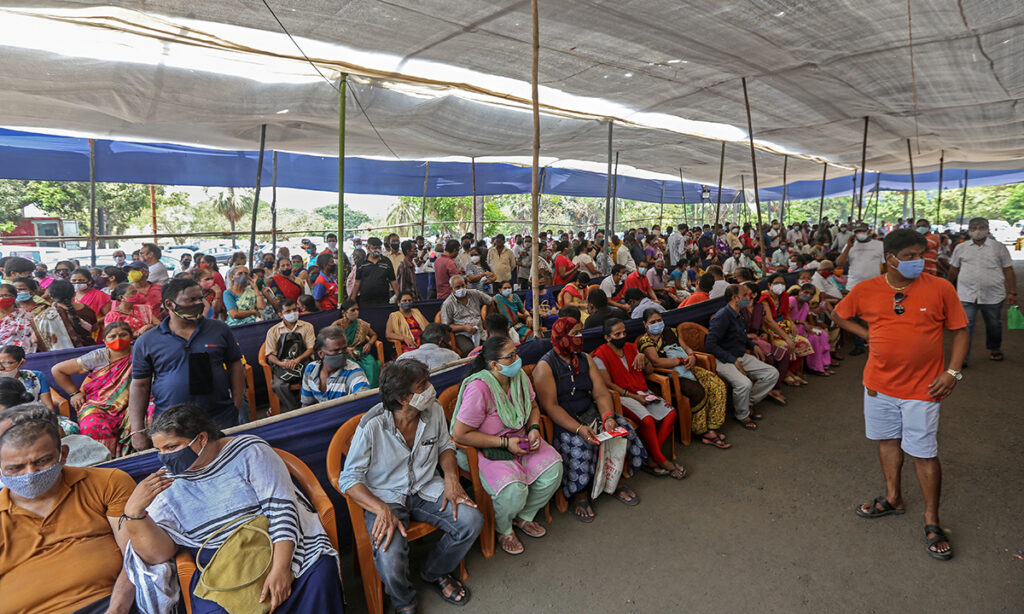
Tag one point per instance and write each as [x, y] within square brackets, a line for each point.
[769, 526]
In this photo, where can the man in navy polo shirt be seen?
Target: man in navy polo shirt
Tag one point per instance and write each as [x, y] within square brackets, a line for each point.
[187, 359]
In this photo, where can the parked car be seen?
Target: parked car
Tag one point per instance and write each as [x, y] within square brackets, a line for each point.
[1003, 232]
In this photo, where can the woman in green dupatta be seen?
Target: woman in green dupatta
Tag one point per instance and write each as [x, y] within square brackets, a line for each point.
[497, 414]
[361, 340]
[511, 306]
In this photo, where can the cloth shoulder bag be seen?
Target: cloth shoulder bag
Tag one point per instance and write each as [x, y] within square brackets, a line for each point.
[234, 576]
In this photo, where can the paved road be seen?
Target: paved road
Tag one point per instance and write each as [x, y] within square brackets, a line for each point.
[768, 526]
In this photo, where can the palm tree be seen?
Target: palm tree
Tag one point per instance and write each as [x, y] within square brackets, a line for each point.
[229, 207]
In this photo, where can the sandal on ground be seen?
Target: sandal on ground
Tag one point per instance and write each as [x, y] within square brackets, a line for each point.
[791, 381]
[753, 415]
[939, 537]
[879, 507]
[749, 424]
[996, 355]
[837, 356]
[678, 472]
[658, 472]
[511, 544]
[444, 582]
[776, 396]
[581, 509]
[531, 529]
[627, 496]
[714, 441]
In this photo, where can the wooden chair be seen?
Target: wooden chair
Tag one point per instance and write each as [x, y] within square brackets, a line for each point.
[250, 391]
[268, 376]
[692, 334]
[398, 348]
[372, 586]
[64, 408]
[302, 474]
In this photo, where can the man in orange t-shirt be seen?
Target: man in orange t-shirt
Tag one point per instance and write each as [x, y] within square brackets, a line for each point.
[704, 285]
[931, 253]
[904, 381]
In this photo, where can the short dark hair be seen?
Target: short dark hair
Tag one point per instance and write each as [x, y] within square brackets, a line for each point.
[495, 323]
[32, 284]
[597, 298]
[397, 379]
[27, 429]
[17, 266]
[634, 294]
[407, 246]
[288, 303]
[374, 241]
[173, 288]
[307, 303]
[437, 333]
[618, 268]
[157, 252]
[570, 312]
[451, 246]
[583, 278]
[184, 420]
[329, 332]
[898, 240]
[706, 282]
[715, 271]
[116, 273]
[13, 393]
[731, 290]
[610, 323]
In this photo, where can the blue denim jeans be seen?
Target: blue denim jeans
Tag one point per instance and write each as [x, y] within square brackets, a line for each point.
[993, 324]
[393, 565]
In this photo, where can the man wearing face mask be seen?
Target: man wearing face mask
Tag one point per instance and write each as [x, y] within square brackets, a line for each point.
[983, 273]
[150, 254]
[749, 376]
[333, 374]
[461, 311]
[375, 277]
[394, 251]
[332, 245]
[524, 260]
[288, 346]
[119, 258]
[905, 378]
[863, 259]
[186, 359]
[73, 561]
[462, 259]
[842, 238]
[924, 227]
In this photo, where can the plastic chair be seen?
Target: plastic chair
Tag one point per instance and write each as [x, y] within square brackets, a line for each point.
[692, 334]
[250, 391]
[372, 586]
[268, 377]
[398, 348]
[302, 474]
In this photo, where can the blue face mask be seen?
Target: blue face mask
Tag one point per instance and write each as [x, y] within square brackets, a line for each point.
[657, 328]
[513, 369]
[642, 270]
[911, 269]
[179, 461]
[23, 297]
[32, 485]
[507, 292]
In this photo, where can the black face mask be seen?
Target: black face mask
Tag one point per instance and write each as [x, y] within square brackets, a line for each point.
[394, 246]
[619, 343]
[286, 272]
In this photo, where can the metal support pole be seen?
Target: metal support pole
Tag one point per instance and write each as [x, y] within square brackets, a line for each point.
[423, 207]
[721, 172]
[913, 190]
[608, 232]
[535, 171]
[963, 200]
[152, 208]
[273, 213]
[682, 195]
[615, 193]
[785, 192]
[256, 196]
[863, 164]
[938, 205]
[753, 164]
[878, 189]
[853, 196]
[342, 89]
[92, 202]
[661, 209]
[821, 203]
[478, 229]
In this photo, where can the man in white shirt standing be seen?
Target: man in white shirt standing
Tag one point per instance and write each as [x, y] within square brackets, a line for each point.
[676, 244]
[982, 271]
[866, 261]
[150, 254]
[842, 238]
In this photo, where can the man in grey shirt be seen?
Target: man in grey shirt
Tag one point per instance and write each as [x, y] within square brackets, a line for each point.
[391, 472]
[461, 311]
[433, 351]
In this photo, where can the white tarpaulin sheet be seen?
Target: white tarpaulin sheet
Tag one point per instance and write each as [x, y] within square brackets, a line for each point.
[433, 73]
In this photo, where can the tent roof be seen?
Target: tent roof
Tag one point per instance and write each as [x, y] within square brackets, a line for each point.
[210, 73]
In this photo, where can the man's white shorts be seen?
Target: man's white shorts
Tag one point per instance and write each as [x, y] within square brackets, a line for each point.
[915, 423]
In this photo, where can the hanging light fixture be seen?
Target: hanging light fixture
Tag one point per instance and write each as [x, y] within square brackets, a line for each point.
[705, 194]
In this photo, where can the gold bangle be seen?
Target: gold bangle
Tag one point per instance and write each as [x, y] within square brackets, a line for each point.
[578, 428]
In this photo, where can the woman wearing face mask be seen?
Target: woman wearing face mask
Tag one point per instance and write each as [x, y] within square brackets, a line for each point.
[102, 400]
[27, 299]
[114, 276]
[405, 325]
[16, 327]
[243, 302]
[66, 324]
[780, 346]
[361, 340]
[138, 276]
[511, 306]
[703, 389]
[86, 294]
[232, 477]
[820, 360]
[127, 309]
[213, 296]
[573, 394]
[584, 259]
[497, 414]
[476, 277]
[12, 359]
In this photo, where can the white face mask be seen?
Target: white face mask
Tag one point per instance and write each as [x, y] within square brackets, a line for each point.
[978, 235]
[332, 244]
[778, 288]
[474, 259]
[423, 400]
[461, 292]
[80, 287]
[290, 317]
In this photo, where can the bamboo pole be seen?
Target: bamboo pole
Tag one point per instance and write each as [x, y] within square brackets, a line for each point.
[152, 208]
[92, 202]
[661, 209]
[477, 226]
[753, 163]
[682, 194]
[615, 193]
[423, 206]
[938, 205]
[821, 203]
[913, 190]
[535, 171]
[342, 89]
[785, 192]
[863, 164]
[878, 188]
[963, 200]
[273, 211]
[721, 173]
[608, 232]
[255, 199]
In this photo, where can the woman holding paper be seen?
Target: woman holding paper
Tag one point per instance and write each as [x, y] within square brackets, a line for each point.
[573, 394]
[497, 414]
[705, 390]
[623, 370]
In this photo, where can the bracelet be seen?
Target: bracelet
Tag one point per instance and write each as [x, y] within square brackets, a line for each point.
[120, 521]
[578, 428]
[77, 392]
[606, 416]
[532, 427]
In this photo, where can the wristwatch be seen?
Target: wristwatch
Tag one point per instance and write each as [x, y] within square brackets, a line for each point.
[957, 375]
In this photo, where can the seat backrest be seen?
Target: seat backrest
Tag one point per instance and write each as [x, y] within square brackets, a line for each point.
[262, 357]
[692, 334]
[447, 400]
[324, 508]
[339, 447]
[437, 316]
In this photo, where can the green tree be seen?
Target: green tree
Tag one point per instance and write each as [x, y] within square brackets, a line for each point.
[353, 217]
[231, 208]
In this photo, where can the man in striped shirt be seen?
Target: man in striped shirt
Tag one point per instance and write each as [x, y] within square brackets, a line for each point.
[334, 375]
